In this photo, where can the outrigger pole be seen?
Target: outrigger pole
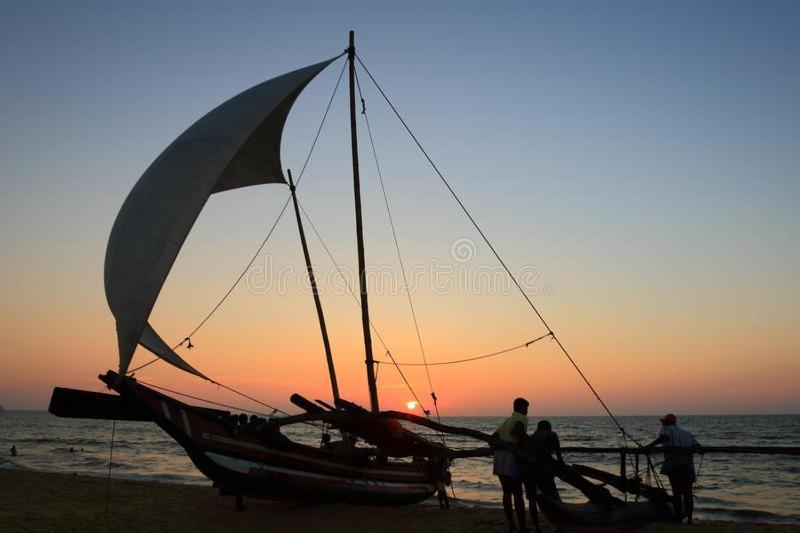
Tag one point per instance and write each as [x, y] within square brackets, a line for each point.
[313, 281]
[362, 276]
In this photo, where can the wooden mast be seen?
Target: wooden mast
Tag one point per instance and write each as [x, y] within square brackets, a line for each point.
[317, 303]
[362, 277]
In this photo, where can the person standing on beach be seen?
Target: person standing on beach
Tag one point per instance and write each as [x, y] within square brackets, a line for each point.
[678, 465]
[506, 464]
[543, 443]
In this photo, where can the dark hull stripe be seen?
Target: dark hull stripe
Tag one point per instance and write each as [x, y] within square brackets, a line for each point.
[242, 464]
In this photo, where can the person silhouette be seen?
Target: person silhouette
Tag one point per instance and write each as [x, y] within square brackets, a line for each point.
[543, 443]
[678, 465]
[506, 464]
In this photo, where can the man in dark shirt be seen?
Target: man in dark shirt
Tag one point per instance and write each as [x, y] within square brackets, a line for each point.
[543, 443]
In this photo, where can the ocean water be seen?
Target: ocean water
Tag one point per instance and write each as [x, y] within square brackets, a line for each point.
[760, 488]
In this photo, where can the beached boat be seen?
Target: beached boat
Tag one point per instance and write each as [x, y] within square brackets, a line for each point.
[238, 145]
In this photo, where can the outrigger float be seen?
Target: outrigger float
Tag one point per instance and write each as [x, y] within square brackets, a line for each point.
[238, 145]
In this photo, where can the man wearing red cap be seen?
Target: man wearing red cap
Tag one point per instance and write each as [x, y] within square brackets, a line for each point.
[678, 466]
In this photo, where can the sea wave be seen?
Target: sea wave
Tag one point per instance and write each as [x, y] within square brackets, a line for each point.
[751, 515]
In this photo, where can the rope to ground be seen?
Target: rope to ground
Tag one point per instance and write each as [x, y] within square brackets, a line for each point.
[697, 477]
[108, 479]
[494, 251]
[624, 432]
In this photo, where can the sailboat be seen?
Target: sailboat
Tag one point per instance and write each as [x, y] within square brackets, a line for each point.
[236, 145]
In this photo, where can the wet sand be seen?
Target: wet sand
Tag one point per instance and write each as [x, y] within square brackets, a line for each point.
[34, 501]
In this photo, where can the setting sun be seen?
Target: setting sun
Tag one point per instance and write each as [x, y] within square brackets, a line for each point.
[411, 405]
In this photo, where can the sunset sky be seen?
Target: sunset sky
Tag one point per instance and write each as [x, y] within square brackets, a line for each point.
[638, 164]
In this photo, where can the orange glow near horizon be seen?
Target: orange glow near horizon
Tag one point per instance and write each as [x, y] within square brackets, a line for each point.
[271, 359]
[646, 202]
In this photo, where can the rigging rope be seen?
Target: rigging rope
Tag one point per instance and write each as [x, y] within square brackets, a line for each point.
[275, 410]
[397, 249]
[697, 477]
[476, 358]
[494, 251]
[270, 415]
[426, 412]
[358, 302]
[269, 233]
[110, 457]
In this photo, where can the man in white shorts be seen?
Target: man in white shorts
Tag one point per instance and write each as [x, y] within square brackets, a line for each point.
[506, 464]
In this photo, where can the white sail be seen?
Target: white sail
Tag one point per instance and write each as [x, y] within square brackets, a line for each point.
[235, 145]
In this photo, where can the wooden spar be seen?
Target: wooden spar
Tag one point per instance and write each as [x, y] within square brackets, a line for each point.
[326, 405]
[623, 484]
[315, 292]
[766, 450]
[333, 417]
[759, 450]
[362, 275]
[307, 405]
[337, 416]
[756, 450]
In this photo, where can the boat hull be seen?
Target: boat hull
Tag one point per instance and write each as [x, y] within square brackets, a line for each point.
[247, 464]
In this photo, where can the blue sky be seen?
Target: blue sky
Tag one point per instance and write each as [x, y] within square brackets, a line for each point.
[645, 156]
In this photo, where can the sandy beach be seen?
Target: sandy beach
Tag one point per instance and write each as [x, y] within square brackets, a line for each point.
[35, 501]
